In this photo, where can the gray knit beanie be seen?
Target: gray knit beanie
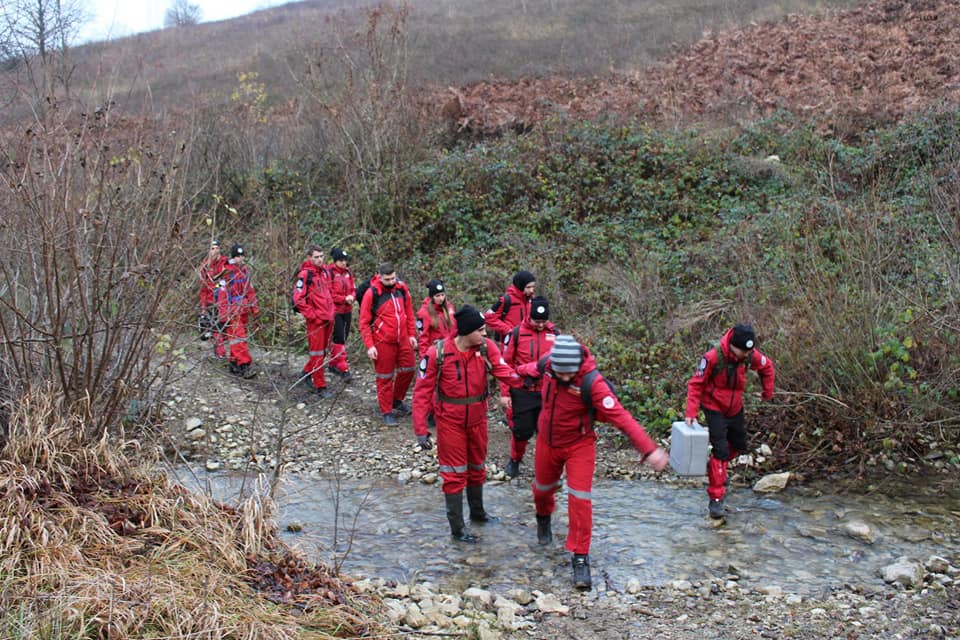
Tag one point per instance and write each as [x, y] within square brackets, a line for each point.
[566, 355]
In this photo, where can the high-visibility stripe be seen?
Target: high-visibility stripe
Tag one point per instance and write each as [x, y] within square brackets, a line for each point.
[450, 469]
[385, 376]
[583, 495]
[545, 487]
[238, 340]
[318, 353]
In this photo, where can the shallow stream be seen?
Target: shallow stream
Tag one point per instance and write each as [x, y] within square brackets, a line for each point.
[649, 531]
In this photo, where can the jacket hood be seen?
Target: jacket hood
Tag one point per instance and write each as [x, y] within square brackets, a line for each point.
[308, 266]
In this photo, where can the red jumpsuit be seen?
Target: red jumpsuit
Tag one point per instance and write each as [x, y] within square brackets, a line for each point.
[457, 396]
[434, 322]
[525, 344]
[387, 323]
[720, 393]
[311, 295]
[236, 300]
[566, 438]
[210, 273]
[341, 285]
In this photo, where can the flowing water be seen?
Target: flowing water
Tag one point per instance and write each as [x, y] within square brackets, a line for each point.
[649, 531]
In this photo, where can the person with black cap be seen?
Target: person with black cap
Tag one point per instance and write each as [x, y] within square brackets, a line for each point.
[435, 317]
[389, 332]
[343, 290]
[237, 300]
[312, 298]
[210, 272]
[717, 387]
[452, 385]
[527, 342]
[574, 394]
[513, 307]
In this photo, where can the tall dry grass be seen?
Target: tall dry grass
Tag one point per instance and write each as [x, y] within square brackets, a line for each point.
[95, 545]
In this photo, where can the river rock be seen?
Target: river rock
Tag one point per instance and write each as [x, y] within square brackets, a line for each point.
[195, 435]
[211, 465]
[414, 617]
[429, 478]
[859, 531]
[549, 603]
[478, 596]
[772, 483]
[484, 632]
[520, 596]
[937, 564]
[904, 571]
[192, 423]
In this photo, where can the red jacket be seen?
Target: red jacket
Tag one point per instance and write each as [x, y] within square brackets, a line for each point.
[236, 297]
[723, 390]
[341, 286]
[386, 315]
[433, 324]
[311, 294]
[210, 273]
[525, 344]
[518, 312]
[463, 376]
[565, 419]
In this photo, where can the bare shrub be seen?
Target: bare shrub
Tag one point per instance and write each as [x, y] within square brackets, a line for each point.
[95, 214]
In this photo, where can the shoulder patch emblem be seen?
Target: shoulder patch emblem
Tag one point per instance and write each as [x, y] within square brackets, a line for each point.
[423, 366]
[300, 283]
[608, 402]
[763, 360]
[702, 366]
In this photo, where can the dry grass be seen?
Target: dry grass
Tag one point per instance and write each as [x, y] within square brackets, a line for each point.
[92, 545]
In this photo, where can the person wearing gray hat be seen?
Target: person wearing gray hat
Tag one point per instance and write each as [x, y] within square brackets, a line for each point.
[717, 387]
[527, 342]
[210, 272]
[452, 386]
[573, 395]
[236, 301]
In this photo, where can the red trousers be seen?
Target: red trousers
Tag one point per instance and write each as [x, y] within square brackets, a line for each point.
[394, 368]
[461, 453]
[318, 337]
[237, 340]
[580, 460]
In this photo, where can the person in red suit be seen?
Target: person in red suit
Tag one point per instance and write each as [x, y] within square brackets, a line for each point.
[312, 298]
[453, 387]
[566, 440]
[389, 332]
[343, 289]
[237, 302]
[717, 387]
[210, 272]
[435, 319]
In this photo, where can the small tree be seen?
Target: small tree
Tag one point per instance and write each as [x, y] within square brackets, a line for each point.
[181, 14]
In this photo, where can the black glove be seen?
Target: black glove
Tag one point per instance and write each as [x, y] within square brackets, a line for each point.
[424, 442]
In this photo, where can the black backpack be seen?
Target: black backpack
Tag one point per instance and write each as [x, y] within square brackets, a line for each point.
[309, 281]
[586, 386]
[361, 290]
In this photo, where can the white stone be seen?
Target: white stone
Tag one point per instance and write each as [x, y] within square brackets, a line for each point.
[212, 465]
[937, 564]
[192, 423]
[904, 571]
[633, 586]
[772, 483]
[549, 603]
[195, 435]
[477, 595]
[520, 596]
[765, 450]
[429, 478]
[859, 530]
[414, 617]
[484, 632]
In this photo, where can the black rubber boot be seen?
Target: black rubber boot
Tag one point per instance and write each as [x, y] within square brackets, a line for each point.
[512, 469]
[581, 572]
[475, 500]
[455, 517]
[544, 534]
[716, 509]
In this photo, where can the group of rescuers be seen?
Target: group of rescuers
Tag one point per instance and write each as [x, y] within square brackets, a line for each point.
[549, 382]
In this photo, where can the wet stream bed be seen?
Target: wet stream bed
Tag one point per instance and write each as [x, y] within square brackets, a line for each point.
[647, 531]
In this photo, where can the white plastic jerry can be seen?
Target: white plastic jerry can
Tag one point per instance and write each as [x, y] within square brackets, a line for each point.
[688, 449]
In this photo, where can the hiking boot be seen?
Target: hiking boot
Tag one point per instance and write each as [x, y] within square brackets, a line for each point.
[475, 500]
[512, 469]
[454, 504]
[247, 372]
[581, 572]
[390, 420]
[346, 376]
[401, 409]
[323, 392]
[716, 508]
[235, 368]
[544, 534]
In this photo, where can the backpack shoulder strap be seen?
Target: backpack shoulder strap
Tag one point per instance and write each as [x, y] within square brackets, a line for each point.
[486, 358]
[542, 364]
[506, 306]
